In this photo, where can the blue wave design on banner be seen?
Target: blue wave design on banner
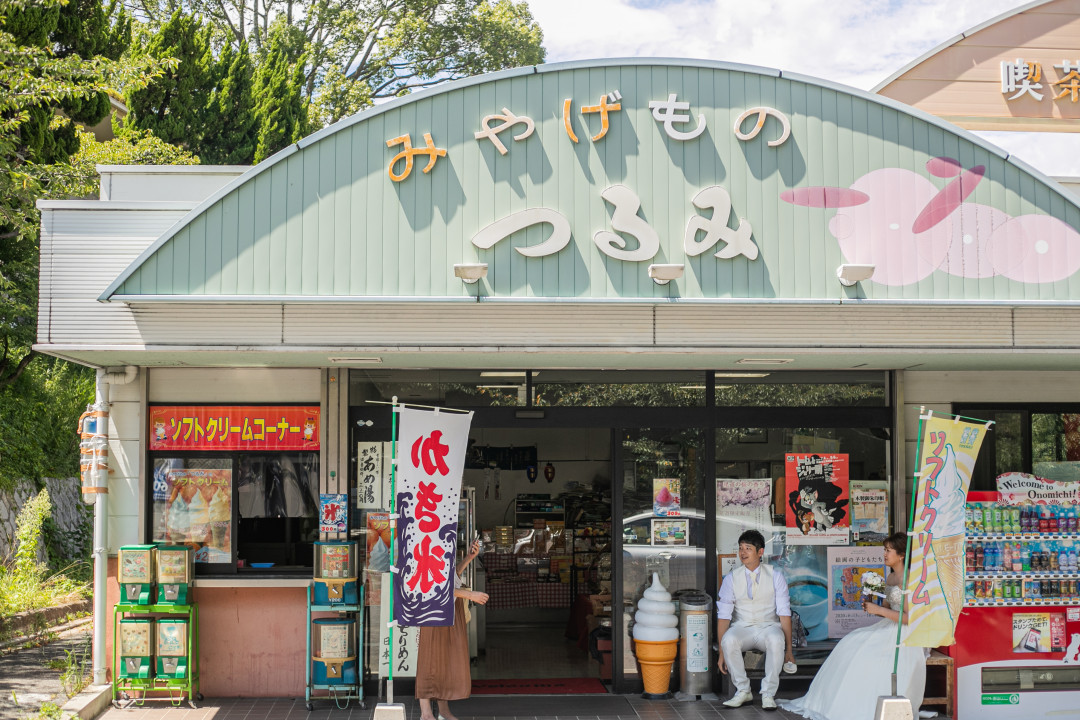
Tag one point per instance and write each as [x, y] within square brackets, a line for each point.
[411, 609]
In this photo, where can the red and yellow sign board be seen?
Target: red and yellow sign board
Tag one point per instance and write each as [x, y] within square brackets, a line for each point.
[234, 427]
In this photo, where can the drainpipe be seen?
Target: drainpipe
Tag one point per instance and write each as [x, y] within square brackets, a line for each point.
[101, 522]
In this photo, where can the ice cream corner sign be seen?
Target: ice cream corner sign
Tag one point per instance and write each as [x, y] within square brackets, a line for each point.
[935, 580]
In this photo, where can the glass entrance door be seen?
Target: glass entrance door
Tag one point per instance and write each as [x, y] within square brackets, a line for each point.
[661, 528]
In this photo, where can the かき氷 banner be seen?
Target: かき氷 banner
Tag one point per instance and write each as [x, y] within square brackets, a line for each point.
[935, 576]
[817, 498]
[431, 458]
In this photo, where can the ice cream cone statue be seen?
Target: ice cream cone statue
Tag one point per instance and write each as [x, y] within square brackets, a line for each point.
[656, 638]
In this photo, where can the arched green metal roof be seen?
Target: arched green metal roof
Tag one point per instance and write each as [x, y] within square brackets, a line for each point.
[940, 214]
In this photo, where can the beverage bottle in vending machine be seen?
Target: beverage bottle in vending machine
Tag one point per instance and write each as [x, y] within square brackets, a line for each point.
[980, 557]
[977, 518]
[1053, 560]
[1054, 525]
[1005, 563]
[1025, 558]
[997, 519]
[1072, 559]
[969, 519]
[969, 557]
[1072, 521]
[1063, 559]
[1044, 520]
[1014, 513]
[999, 593]
[1018, 558]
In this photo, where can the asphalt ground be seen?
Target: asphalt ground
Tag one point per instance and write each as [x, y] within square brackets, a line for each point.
[26, 679]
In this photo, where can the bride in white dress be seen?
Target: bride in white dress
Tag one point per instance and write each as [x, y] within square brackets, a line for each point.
[859, 669]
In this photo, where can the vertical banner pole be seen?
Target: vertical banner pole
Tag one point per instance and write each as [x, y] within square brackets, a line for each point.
[917, 475]
[393, 538]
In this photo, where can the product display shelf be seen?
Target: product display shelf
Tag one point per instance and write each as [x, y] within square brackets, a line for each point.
[587, 544]
[341, 693]
[134, 690]
[528, 510]
[1008, 584]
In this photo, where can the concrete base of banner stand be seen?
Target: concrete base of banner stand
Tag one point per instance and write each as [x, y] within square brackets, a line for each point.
[393, 711]
[891, 707]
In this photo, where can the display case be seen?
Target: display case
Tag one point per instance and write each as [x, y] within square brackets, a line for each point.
[332, 667]
[174, 574]
[590, 543]
[135, 573]
[1021, 594]
[335, 573]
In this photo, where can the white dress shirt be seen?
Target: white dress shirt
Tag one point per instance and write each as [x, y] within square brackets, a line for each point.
[725, 603]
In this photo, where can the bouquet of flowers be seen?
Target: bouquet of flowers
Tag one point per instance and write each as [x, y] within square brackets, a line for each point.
[874, 586]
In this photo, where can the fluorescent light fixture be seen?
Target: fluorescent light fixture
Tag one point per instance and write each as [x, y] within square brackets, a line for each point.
[741, 375]
[504, 373]
[765, 361]
[662, 274]
[499, 387]
[849, 274]
[691, 387]
[355, 360]
[470, 272]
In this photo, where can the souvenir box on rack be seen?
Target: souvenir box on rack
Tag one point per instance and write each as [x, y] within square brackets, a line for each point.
[335, 573]
[333, 651]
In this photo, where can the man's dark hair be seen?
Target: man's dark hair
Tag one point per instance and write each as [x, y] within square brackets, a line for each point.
[753, 537]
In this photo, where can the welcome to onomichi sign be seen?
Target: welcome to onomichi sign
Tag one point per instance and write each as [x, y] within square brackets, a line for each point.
[570, 181]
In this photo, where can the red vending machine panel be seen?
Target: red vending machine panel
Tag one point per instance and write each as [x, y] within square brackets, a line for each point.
[1017, 651]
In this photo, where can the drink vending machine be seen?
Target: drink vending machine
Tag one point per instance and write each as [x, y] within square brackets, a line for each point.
[1017, 651]
[333, 666]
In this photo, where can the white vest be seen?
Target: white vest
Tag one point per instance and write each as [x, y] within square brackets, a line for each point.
[761, 610]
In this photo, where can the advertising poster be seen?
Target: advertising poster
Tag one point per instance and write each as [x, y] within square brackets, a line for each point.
[670, 531]
[377, 549]
[934, 586]
[806, 568]
[333, 512]
[432, 458]
[869, 511]
[1031, 632]
[817, 511]
[198, 512]
[846, 568]
[666, 498]
[369, 475]
[1024, 489]
[256, 428]
[743, 505]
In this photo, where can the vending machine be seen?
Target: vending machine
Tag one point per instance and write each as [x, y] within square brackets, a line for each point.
[335, 573]
[135, 648]
[172, 648]
[1017, 651]
[333, 651]
[174, 574]
[135, 574]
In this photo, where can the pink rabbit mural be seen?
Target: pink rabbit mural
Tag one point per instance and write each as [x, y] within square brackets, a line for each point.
[900, 222]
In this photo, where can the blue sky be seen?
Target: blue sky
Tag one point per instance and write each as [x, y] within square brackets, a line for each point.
[855, 42]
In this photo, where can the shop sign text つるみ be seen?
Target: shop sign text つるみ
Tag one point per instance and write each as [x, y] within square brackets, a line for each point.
[676, 122]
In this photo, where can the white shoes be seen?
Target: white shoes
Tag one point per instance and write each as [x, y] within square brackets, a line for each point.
[739, 698]
[767, 702]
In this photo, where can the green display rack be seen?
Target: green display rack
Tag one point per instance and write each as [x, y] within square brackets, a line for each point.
[341, 693]
[135, 687]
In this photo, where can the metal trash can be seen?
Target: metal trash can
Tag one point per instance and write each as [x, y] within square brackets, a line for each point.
[694, 620]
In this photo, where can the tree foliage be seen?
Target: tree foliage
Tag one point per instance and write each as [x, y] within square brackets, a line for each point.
[360, 51]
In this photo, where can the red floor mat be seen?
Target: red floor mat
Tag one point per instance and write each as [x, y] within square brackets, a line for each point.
[547, 686]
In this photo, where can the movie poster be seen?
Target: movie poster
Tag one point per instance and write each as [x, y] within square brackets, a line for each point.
[847, 565]
[817, 511]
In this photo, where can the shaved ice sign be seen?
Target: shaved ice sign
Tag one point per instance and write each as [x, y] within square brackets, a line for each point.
[667, 500]
[1024, 489]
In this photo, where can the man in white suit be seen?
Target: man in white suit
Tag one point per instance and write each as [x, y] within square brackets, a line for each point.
[753, 612]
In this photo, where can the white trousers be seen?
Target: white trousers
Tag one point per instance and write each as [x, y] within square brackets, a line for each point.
[767, 638]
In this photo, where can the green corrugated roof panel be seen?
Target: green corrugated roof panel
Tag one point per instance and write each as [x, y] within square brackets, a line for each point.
[324, 219]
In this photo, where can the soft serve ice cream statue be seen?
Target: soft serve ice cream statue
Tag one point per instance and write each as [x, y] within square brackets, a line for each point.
[656, 638]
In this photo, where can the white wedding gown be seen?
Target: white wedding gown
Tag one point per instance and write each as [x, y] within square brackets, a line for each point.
[859, 670]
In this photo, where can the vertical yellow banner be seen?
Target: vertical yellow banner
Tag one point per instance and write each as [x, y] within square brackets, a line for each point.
[935, 580]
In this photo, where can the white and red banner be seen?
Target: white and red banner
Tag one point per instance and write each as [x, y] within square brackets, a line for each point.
[430, 460]
[935, 581]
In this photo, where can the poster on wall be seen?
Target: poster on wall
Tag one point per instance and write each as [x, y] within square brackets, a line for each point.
[806, 568]
[377, 553]
[198, 512]
[869, 511]
[404, 652]
[743, 505]
[817, 499]
[667, 500]
[333, 512]
[369, 475]
[670, 531]
[847, 565]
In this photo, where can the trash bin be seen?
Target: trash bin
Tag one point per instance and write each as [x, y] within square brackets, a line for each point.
[694, 620]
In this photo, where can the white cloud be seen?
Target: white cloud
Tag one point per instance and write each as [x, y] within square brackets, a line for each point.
[854, 42]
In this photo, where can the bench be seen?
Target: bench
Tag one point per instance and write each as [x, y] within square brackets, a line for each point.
[936, 660]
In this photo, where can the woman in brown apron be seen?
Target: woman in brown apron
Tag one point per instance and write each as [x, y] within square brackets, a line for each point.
[442, 668]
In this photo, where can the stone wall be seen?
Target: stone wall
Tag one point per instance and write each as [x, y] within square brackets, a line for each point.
[73, 517]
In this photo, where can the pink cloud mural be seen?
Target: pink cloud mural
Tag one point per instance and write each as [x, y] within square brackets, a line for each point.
[903, 224]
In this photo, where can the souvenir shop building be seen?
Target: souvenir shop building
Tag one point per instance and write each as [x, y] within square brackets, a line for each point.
[630, 270]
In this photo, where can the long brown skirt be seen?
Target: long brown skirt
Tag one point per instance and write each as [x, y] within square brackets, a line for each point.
[442, 668]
